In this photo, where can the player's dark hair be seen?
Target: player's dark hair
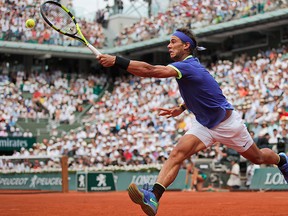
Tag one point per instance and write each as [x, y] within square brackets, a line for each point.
[190, 34]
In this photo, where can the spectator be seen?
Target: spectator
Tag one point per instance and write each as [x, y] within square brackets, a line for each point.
[282, 144]
[27, 133]
[194, 176]
[263, 141]
[250, 172]
[273, 140]
[234, 181]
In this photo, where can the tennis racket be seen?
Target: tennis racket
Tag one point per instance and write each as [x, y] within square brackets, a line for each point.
[62, 20]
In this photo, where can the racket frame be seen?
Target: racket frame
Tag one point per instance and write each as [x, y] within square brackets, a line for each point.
[81, 38]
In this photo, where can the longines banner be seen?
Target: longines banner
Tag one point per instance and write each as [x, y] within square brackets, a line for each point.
[268, 178]
[123, 179]
[16, 143]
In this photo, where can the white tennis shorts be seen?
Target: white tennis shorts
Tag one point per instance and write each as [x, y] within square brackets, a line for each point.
[232, 132]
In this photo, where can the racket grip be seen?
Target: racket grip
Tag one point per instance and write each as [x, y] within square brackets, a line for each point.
[93, 49]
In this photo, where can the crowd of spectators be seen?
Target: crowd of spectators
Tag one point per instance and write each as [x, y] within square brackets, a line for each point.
[15, 13]
[123, 127]
[193, 14]
[189, 13]
[53, 95]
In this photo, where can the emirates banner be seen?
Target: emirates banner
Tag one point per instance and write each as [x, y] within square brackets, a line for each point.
[16, 143]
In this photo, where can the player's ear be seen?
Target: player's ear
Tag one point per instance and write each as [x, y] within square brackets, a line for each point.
[187, 45]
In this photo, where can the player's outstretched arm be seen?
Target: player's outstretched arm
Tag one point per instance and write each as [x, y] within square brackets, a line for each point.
[138, 68]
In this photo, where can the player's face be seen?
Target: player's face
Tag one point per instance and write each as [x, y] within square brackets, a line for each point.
[176, 49]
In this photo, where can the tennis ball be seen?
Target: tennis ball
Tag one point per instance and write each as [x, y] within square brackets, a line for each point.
[30, 23]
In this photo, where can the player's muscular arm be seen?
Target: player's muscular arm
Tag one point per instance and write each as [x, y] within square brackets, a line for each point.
[138, 68]
[144, 69]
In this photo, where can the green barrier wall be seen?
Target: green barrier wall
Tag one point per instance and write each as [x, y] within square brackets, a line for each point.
[264, 178]
[123, 179]
[82, 181]
[268, 178]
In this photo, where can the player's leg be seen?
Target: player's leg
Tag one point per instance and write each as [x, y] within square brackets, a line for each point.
[261, 156]
[283, 165]
[145, 198]
[187, 146]
[234, 134]
[267, 156]
[148, 199]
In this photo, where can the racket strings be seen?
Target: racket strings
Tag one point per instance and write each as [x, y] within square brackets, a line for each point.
[59, 18]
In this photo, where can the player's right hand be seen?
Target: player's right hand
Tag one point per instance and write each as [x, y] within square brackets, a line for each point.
[106, 60]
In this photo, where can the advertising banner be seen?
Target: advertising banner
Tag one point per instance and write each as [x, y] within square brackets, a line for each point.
[35, 181]
[81, 181]
[123, 179]
[16, 143]
[268, 178]
[95, 181]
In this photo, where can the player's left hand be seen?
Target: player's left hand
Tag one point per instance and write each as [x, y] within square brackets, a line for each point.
[172, 112]
[106, 60]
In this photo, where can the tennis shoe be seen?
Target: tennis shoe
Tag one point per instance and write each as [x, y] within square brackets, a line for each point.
[144, 197]
[284, 168]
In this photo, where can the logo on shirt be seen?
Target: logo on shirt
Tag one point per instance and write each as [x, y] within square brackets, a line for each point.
[245, 145]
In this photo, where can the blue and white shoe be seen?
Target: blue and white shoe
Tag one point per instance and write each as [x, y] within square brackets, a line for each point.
[284, 168]
[145, 198]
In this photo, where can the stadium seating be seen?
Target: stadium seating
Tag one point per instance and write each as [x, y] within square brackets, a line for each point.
[122, 127]
[195, 14]
[101, 128]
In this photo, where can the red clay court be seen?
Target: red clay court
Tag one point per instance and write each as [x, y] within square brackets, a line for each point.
[172, 203]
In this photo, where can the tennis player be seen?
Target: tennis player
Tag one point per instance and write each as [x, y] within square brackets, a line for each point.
[215, 118]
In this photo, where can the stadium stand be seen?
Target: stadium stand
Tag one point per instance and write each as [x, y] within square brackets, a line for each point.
[14, 14]
[195, 14]
[105, 140]
[51, 99]
[121, 127]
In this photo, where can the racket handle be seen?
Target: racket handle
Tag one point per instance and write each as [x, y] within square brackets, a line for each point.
[93, 49]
